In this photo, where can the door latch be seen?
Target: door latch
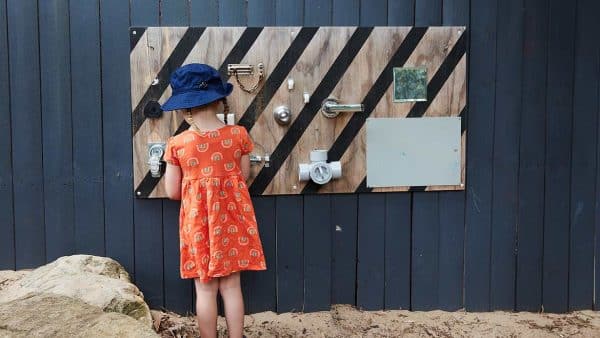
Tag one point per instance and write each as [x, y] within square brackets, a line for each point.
[237, 69]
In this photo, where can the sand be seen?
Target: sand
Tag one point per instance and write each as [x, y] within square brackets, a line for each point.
[347, 321]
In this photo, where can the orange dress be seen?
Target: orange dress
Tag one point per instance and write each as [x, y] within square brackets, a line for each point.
[217, 225]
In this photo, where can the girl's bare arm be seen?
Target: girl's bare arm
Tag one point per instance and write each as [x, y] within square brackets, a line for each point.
[173, 181]
[245, 166]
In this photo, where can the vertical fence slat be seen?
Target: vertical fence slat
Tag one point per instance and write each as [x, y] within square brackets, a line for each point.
[317, 209]
[344, 206]
[317, 12]
[174, 12]
[204, 13]
[263, 284]
[86, 108]
[452, 203]
[57, 128]
[583, 171]
[506, 153]
[531, 159]
[261, 287]
[479, 154]
[261, 13]
[290, 244]
[345, 12]
[398, 207]
[233, 13]
[370, 268]
[559, 109]
[425, 213]
[28, 183]
[343, 266]
[116, 128]
[7, 226]
[398, 218]
[317, 253]
[289, 12]
[150, 261]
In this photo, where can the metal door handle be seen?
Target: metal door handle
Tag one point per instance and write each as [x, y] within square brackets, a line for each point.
[332, 107]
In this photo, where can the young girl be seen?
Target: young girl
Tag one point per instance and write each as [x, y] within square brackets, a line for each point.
[207, 166]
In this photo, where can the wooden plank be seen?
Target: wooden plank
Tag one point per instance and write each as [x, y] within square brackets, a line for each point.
[7, 226]
[317, 12]
[425, 213]
[452, 204]
[479, 152]
[179, 293]
[118, 209]
[583, 164]
[401, 12]
[559, 109]
[317, 209]
[289, 12]
[373, 12]
[425, 251]
[428, 12]
[174, 13]
[345, 12]
[398, 219]
[233, 12]
[261, 13]
[148, 218]
[260, 288]
[370, 268]
[317, 253]
[290, 245]
[26, 132]
[204, 13]
[506, 154]
[262, 285]
[57, 128]
[88, 190]
[344, 210]
[531, 159]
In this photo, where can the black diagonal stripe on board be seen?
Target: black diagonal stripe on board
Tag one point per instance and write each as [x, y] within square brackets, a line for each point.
[175, 60]
[463, 127]
[135, 34]
[406, 48]
[440, 77]
[278, 75]
[308, 112]
[237, 53]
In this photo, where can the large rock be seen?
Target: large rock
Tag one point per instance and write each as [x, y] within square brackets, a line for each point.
[50, 315]
[97, 281]
[8, 277]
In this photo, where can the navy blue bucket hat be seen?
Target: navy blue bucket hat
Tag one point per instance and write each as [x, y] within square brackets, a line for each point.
[196, 84]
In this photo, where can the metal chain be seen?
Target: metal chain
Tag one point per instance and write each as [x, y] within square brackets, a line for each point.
[260, 77]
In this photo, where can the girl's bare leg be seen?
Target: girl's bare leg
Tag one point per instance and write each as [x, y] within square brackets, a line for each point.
[231, 291]
[206, 307]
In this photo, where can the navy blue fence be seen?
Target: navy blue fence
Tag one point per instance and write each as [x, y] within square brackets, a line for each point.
[522, 235]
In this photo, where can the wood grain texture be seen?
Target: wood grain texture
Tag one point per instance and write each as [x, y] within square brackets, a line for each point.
[26, 130]
[57, 134]
[7, 226]
[315, 61]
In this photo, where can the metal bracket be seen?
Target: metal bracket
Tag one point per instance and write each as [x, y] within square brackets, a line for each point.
[155, 152]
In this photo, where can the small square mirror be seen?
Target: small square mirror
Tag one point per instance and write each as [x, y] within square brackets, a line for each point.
[410, 84]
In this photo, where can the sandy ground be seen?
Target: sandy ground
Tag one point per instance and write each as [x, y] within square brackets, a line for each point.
[346, 321]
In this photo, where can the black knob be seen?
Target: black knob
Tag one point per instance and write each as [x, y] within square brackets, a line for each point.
[152, 110]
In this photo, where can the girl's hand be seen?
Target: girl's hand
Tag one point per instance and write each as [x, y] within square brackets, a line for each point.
[173, 181]
[245, 166]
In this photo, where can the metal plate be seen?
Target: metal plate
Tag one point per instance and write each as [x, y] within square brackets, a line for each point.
[413, 151]
[410, 84]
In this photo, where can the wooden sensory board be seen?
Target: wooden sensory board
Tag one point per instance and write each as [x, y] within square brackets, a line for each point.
[353, 64]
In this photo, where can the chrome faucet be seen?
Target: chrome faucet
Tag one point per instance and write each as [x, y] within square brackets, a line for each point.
[332, 107]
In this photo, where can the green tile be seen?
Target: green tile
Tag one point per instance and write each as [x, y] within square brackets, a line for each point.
[410, 84]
